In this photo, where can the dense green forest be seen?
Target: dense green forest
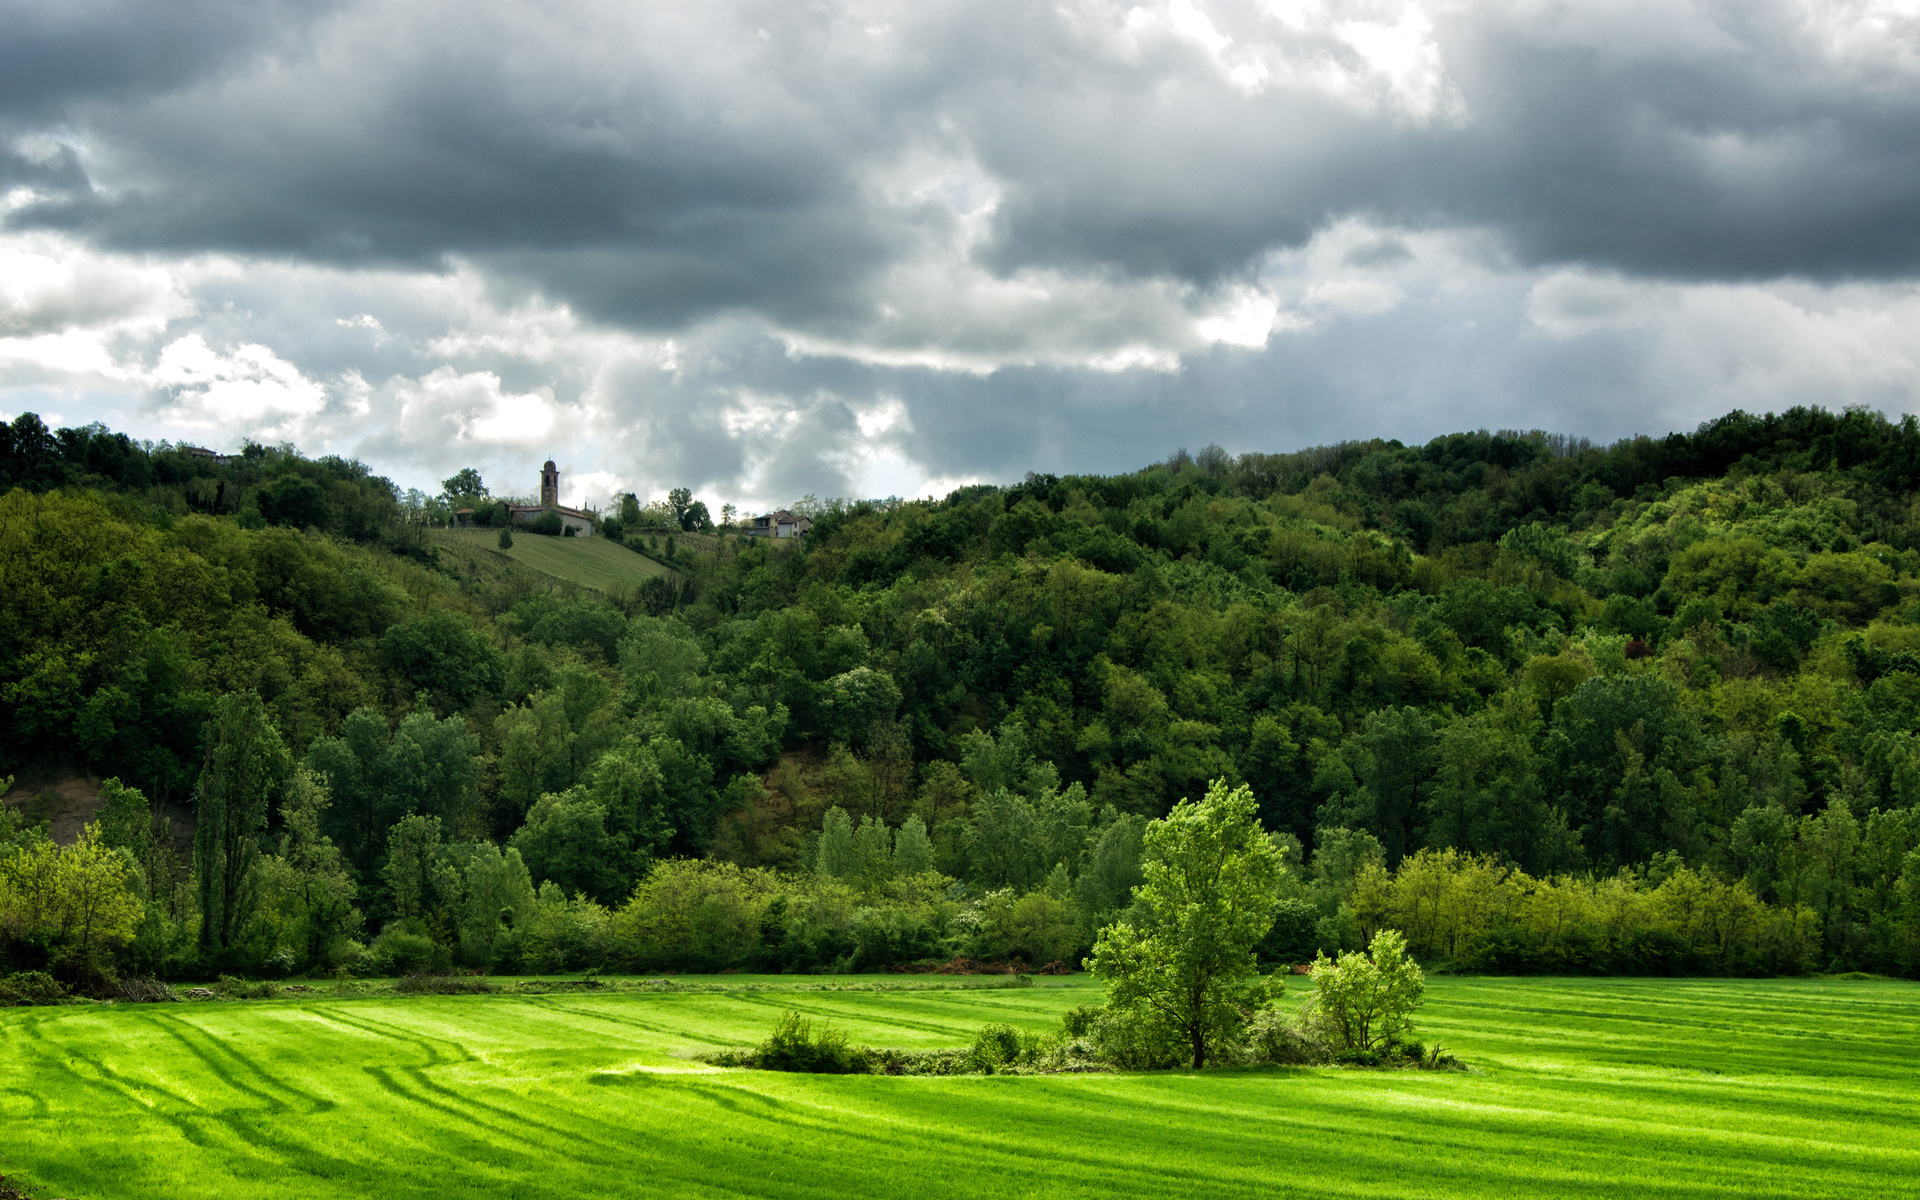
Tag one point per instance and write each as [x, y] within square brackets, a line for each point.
[1542, 705]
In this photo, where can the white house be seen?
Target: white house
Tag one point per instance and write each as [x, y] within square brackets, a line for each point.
[782, 524]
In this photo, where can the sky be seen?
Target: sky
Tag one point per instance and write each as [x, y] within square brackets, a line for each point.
[770, 249]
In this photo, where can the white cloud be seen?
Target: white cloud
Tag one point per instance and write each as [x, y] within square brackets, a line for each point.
[250, 386]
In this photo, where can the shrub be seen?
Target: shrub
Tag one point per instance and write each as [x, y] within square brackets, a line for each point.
[1079, 1020]
[794, 1046]
[884, 936]
[1362, 1002]
[443, 985]
[1135, 1040]
[563, 934]
[400, 951]
[506, 539]
[995, 1046]
[24, 988]
[242, 989]
[1273, 1038]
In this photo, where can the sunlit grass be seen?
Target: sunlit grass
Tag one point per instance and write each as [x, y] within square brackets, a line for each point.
[1581, 1088]
[597, 563]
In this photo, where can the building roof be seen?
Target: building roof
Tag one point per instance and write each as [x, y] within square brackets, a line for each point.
[548, 466]
[562, 509]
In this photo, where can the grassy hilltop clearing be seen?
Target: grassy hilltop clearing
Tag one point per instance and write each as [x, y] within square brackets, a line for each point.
[597, 563]
[1584, 1088]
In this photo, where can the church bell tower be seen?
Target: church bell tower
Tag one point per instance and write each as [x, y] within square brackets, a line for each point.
[549, 485]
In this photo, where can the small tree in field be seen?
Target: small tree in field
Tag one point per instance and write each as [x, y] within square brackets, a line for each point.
[1185, 975]
[506, 538]
[1362, 1001]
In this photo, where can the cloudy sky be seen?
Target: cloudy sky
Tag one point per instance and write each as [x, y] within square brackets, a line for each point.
[765, 248]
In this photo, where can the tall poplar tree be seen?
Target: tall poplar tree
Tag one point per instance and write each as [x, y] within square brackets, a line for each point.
[246, 763]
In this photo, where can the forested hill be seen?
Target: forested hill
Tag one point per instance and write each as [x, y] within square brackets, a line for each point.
[1695, 654]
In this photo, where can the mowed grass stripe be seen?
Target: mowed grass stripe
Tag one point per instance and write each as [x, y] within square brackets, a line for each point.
[1583, 1088]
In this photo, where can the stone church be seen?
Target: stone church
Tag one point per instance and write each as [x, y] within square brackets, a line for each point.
[572, 520]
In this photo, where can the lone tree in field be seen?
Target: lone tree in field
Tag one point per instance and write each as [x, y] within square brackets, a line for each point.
[1186, 973]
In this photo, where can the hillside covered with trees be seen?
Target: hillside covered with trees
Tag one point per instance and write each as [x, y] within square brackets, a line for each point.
[1541, 705]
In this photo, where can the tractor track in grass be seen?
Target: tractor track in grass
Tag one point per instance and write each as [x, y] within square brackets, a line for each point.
[1676, 1089]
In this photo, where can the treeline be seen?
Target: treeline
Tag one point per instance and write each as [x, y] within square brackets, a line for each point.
[1593, 672]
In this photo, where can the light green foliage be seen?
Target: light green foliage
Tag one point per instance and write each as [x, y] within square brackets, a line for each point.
[498, 902]
[995, 763]
[1187, 970]
[563, 933]
[308, 893]
[872, 852]
[660, 656]
[912, 851]
[1004, 841]
[1038, 928]
[75, 901]
[1364, 1002]
[125, 819]
[836, 857]
[857, 699]
[1485, 915]
[693, 912]
[1113, 866]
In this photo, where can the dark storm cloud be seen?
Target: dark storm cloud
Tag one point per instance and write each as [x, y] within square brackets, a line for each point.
[656, 165]
[52, 55]
[1748, 153]
[764, 249]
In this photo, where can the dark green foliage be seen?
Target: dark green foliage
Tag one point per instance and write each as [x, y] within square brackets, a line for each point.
[294, 500]
[246, 766]
[378, 776]
[441, 653]
[443, 985]
[1668, 653]
[1294, 937]
[24, 988]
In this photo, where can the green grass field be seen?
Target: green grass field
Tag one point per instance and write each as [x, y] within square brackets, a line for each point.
[1581, 1088]
[590, 562]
